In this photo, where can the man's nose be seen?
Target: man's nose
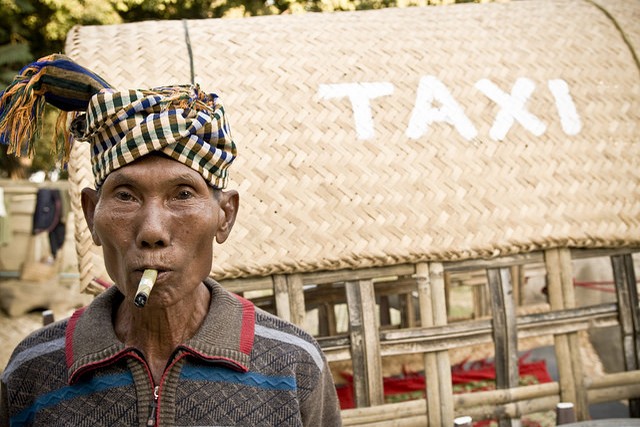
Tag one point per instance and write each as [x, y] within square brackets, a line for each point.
[153, 231]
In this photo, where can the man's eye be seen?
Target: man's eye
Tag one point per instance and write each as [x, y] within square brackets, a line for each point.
[124, 196]
[184, 195]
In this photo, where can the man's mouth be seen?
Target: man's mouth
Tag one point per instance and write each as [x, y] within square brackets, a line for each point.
[162, 271]
[159, 269]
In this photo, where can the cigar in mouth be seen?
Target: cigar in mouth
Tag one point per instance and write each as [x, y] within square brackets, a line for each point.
[144, 287]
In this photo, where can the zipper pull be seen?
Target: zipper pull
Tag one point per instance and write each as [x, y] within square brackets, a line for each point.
[151, 421]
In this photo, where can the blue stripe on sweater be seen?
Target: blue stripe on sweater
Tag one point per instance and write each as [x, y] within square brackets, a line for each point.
[95, 385]
[224, 375]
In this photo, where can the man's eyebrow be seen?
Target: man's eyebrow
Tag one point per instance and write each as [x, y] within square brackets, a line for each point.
[185, 179]
[119, 179]
[123, 178]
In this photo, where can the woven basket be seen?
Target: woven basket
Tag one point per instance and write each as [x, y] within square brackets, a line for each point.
[401, 135]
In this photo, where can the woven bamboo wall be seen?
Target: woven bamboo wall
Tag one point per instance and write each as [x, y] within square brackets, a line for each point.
[404, 135]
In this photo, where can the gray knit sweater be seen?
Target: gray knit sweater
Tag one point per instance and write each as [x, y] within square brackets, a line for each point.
[244, 367]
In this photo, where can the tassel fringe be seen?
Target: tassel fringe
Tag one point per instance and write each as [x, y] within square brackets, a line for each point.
[22, 109]
[54, 79]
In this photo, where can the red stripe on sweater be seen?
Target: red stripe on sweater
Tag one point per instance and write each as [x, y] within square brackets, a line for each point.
[68, 340]
[248, 325]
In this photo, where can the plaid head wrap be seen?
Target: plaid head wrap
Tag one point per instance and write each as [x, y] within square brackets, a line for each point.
[182, 122]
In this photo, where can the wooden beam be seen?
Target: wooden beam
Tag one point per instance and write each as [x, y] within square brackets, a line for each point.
[433, 312]
[385, 310]
[440, 314]
[464, 334]
[561, 296]
[505, 334]
[411, 413]
[326, 320]
[281, 296]
[365, 344]
[629, 316]
[320, 277]
[486, 404]
[296, 299]
[432, 379]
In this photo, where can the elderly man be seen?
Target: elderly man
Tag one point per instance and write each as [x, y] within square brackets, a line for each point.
[193, 354]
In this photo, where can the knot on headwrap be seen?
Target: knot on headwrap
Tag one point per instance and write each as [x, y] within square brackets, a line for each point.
[182, 122]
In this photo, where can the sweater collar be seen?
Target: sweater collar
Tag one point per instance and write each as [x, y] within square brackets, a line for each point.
[226, 335]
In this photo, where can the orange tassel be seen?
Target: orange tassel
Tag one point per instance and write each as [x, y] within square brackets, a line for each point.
[22, 109]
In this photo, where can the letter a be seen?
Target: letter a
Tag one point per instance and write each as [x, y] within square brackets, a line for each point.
[424, 114]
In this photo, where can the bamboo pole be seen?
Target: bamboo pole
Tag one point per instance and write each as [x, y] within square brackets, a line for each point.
[513, 410]
[388, 412]
[464, 334]
[618, 392]
[629, 315]
[365, 344]
[516, 283]
[577, 371]
[542, 399]
[515, 402]
[560, 287]
[505, 334]
[281, 296]
[503, 396]
[614, 380]
[417, 421]
[423, 281]
[332, 276]
[296, 299]
[439, 310]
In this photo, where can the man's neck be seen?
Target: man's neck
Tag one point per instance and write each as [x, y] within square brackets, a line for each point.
[156, 332]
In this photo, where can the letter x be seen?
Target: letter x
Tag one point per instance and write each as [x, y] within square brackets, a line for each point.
[512, 107]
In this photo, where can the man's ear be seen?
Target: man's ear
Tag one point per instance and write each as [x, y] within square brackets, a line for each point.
[229, 203]
[89, 199]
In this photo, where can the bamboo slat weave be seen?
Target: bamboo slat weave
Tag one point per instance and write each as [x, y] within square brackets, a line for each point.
[404, 135]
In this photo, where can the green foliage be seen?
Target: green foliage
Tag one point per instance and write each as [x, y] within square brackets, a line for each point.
[30, 29]
[10, 54]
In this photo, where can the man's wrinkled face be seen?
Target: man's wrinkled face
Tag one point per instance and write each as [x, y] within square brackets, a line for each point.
[158, 213]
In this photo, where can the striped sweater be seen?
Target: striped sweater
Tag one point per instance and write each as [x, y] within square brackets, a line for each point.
[244, 367]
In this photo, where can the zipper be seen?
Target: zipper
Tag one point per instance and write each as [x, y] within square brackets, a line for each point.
[151, 421]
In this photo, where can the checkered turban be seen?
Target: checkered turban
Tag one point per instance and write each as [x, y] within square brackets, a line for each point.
[182, 122]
